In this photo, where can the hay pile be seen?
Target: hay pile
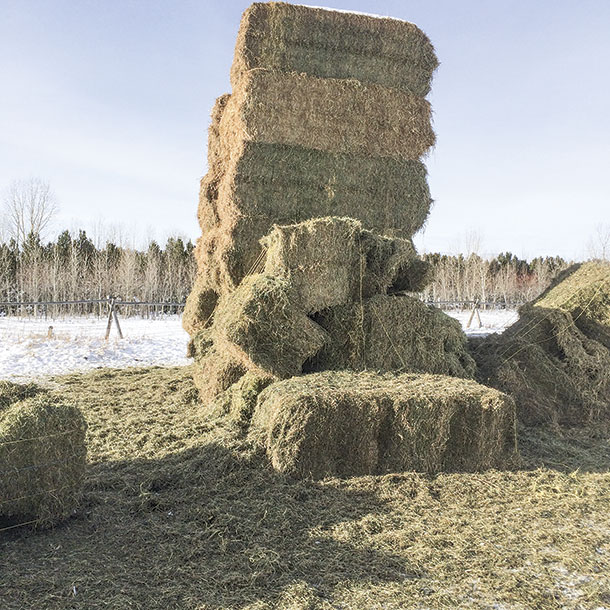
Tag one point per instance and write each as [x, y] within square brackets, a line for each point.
[315, 187]
[555, 361]
[42, 456]
[342, 424]
[327, 118]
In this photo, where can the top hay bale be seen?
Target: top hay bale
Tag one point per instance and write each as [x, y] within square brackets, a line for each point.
[330, 44]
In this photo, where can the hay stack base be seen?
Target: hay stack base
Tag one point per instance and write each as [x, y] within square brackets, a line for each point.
[345, 424]
[42, 460]
[392, 333]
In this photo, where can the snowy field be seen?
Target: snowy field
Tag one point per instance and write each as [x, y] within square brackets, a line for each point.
[77, 344]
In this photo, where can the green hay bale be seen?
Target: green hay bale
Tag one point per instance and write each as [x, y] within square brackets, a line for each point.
[260, 325]
[345, 424]
[392, 333]
[332, 261]
[340, 116]
[584, 292]
[291, 184]
[42, 460]
[554, 372]
[199, 307]
[331, 44]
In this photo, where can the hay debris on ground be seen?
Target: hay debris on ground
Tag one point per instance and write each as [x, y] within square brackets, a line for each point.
[392, 333]
[554, 372]
[341, 116]
[178, 511]
[261, 325]
[344, 424]
[42, 457]
[330, 44]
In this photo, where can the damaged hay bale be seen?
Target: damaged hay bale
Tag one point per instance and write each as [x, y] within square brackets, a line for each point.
[330, 44]
[261, 325]
[331, 261]
[392, 333]
[554, 371]
[199, 306]
[346, 424]
[583, 290]
[215, 371]
[341, 116]
[42, 460]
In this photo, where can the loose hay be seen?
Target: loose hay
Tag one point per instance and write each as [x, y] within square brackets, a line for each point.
[392, 333]
[341, 116]
[344, 424]
[42, 459]
[329, 44]
[554, 372]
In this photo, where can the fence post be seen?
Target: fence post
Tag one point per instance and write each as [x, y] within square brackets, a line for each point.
[110, 316]
[116, 321]
[474, 309]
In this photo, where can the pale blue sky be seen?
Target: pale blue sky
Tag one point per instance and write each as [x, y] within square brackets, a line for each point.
[109, 101]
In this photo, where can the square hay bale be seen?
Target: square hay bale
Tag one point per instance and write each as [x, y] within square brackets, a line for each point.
[42, 460]
[330, 44]
[332, 261]
[292, 184]
[392, 333]
[260, 325]
[334, 115]
[583, 290]
[554, 372]
[346, 424]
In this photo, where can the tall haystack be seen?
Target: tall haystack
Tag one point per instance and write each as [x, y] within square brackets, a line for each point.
[42, 457]
[327, 118]
[555, 361]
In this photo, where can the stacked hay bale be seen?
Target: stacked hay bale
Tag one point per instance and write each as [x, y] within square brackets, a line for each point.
[327, 118]
[42, 456]
[314, 190]
[555, 361]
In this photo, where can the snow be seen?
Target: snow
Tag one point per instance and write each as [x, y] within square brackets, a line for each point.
[77, 343]
[340, 10]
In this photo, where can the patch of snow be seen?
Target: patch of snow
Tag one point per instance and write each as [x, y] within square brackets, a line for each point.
[492, 320]
[341, 10]
[78, 344]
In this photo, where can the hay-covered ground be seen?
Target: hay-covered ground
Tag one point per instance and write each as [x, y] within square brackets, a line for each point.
[179, 512]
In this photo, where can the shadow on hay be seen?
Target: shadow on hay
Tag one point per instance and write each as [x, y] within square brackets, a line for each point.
[197, 527]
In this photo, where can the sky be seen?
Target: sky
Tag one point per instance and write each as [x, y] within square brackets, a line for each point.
[109, 102]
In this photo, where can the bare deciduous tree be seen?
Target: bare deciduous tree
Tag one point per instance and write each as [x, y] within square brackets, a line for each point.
[599, 244]
[29, 207]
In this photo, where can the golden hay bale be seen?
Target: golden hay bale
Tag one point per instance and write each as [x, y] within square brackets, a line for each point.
[554, 372]
[215, 155]
[331, 44]
[392, 333]
[42, 460]
[341, 116]
[215, 371]
[331, 261]
[260, 325]
[345, 424]
[290, 184]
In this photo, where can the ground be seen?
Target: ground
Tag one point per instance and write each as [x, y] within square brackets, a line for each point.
[180, 512]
